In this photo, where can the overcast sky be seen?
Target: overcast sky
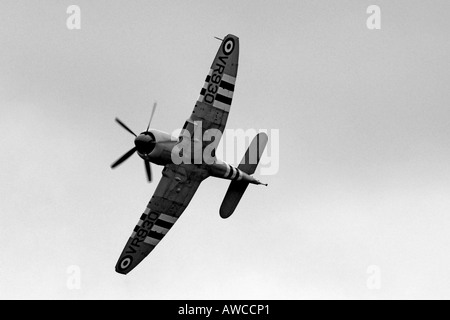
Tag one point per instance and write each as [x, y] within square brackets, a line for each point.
[364, 149]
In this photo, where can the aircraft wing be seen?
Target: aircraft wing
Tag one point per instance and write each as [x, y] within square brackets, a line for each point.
[213, 106]
[172, 195]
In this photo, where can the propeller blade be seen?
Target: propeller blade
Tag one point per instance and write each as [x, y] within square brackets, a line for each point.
[123, 158]
[125, 127]
[151, 117]
[149, 171]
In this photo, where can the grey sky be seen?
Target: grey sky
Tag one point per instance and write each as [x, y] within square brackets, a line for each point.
[364, 175]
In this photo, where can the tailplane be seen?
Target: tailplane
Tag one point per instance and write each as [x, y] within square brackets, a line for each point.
[248, 164]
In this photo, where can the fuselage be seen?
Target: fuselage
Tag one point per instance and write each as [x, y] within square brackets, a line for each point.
[161, 148]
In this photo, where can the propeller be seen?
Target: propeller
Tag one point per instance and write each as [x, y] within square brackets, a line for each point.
[144, 143]
[151, 117]
[125, 127]
[148, 170]
[124, 157]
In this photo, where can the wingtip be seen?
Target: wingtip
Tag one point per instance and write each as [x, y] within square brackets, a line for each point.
[225, 213]
[121, 272]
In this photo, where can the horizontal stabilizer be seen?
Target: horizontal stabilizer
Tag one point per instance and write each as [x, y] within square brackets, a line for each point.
[233, 196]
[254, 152]
[248, 165]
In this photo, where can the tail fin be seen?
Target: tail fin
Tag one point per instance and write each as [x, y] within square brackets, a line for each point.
[248, 164]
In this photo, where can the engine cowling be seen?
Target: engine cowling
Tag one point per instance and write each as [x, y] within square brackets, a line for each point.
[155, 146]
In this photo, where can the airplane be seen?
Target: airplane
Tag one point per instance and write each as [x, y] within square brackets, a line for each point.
[180, 180]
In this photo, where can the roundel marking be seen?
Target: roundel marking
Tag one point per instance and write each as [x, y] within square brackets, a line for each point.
[228, 46]
[125, 262]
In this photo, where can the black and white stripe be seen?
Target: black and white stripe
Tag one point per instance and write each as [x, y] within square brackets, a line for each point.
[160, 227]
[224, 94]
[233, 173]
